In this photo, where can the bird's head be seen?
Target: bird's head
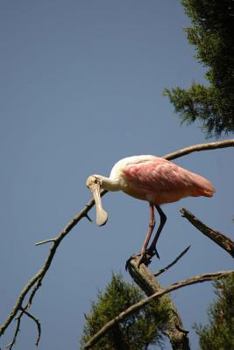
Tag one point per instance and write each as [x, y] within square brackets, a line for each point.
[93, 180]
[94, 184]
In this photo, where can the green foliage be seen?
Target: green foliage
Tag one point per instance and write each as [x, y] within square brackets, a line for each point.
[219, 334]
[212, 35]
[136, 332]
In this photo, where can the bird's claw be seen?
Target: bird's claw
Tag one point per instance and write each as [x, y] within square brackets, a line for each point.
[143, 258]
[155, 252]
[147, 256]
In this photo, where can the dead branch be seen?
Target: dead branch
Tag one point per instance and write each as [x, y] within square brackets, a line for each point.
[132, 309]
[166, 268]
[219, 238]
[36, 280]
[17, 329]
[31, 287]
[38, 325]
[146, 280]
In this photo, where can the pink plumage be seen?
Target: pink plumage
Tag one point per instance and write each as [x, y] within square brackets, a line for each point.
[160, 181]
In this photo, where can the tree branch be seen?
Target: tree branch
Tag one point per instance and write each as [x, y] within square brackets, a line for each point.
[17, 329]
[146, 280]
[37, 279]
[50, 240]
[199, 147]
[219, 238]
[132, 309]
[172, 263]
[38, 325]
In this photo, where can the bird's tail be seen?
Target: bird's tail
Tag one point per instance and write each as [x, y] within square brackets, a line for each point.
[203, 186]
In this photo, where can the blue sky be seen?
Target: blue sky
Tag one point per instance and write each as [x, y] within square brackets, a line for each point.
[81, 87]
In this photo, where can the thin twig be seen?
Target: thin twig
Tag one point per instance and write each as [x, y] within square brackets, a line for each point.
[51, 240]
[219, 238]
[172, 263]
[33, 292]
[38, 324]
[17, 329]
[132, 309]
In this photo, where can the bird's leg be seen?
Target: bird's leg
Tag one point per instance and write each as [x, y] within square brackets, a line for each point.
[150, 230]
[144, 251]
[147, 254]
[143, 254]
[152, 249]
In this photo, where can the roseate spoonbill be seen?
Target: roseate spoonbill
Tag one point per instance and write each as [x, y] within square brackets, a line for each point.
[153, 179]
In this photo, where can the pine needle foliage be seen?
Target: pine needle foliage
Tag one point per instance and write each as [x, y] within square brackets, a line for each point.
[219, 333]
[138, 331]
[211, 33]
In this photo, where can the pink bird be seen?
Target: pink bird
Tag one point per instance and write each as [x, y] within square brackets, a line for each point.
[153, 179]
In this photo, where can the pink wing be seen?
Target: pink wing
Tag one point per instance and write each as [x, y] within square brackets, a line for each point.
[161, 181]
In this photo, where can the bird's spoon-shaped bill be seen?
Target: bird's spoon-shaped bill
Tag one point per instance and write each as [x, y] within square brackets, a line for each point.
[101, 214]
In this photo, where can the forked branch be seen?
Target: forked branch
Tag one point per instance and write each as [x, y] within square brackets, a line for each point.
[32, 286]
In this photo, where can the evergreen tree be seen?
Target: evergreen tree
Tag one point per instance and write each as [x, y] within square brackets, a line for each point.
[211, 33]
[219, 333]
[138, 331]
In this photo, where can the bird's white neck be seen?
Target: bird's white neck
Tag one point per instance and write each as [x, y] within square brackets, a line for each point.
[109, 184]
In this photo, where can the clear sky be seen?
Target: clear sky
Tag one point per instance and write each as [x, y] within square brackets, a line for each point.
[81, 87]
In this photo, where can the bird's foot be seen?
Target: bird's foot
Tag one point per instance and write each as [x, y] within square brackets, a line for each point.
[153, 251]
[146, 257]
[143, 257]
[140, 258]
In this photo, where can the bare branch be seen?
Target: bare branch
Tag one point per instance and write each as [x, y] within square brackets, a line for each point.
[18, 303]
[173, 327]
[132, 309]
[50, 240]
[38, 277]
[172, 263]
[199, 147]
[17, 329]
[219, 238]
[38, 325]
